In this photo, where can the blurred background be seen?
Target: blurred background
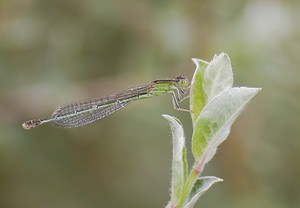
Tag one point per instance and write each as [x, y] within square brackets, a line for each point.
[54, 52]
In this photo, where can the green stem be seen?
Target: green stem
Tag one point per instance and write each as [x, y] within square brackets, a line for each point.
[189, 185]
[191, 180]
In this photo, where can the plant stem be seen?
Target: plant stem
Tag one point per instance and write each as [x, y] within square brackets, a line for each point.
[189, 185]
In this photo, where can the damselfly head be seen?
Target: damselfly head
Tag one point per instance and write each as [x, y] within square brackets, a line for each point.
[182, 81]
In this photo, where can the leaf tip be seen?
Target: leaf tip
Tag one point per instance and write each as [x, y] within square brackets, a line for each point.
[254, 90]
[165, 116]
[198, 61]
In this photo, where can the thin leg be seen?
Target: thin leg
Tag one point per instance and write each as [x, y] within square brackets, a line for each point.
[176, 101]
[177, 93]
[181, 93]
[184, 98]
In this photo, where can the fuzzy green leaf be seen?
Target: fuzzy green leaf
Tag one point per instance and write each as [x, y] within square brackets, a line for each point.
[217, 76]
[197, 95]
[200, 187]
[179, 163]
[214, 122]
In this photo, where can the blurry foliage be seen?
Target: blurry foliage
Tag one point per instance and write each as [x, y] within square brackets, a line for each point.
[53, 52]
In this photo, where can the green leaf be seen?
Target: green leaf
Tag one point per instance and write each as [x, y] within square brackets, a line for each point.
[197, 95]
[214, 122]
[200, 187]
[217, 76]
[214, 105]
[179, 163]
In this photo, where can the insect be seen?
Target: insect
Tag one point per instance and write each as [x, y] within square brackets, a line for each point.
[84, 112]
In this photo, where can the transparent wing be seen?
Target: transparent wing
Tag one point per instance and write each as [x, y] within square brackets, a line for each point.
[71, 116]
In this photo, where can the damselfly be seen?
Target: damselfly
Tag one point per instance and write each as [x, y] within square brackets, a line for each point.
[84, 112]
